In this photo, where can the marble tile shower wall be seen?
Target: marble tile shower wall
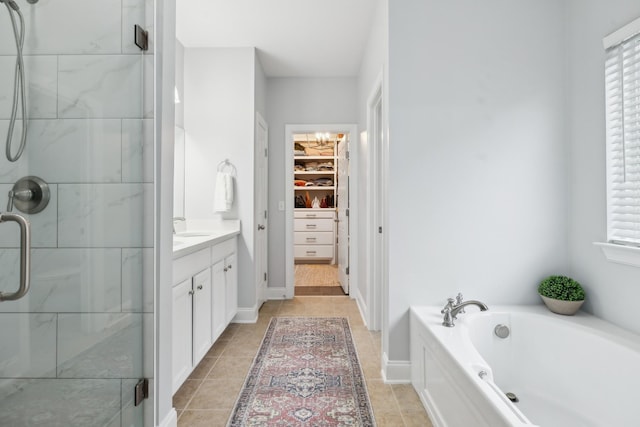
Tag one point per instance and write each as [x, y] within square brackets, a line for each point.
[73, 348]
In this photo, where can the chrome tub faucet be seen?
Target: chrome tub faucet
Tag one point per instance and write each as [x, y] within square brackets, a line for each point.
[454, 307]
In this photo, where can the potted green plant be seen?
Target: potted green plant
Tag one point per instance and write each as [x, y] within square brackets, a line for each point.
[561, 294]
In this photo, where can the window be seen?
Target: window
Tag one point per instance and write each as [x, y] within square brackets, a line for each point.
[622, 86]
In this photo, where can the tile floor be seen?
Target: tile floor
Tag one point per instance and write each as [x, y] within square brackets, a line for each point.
[208, 396]
[316, 275]
[316, 280]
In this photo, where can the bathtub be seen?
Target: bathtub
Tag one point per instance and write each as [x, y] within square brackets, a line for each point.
[566, 371]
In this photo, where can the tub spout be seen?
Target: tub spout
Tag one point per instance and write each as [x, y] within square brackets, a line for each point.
[451, 310]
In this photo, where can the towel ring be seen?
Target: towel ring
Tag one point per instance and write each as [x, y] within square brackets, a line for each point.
[227, 166]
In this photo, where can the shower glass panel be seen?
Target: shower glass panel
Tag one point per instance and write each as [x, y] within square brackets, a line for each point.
[74, 347]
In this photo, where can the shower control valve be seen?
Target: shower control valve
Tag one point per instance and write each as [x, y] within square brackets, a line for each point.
[29, 195]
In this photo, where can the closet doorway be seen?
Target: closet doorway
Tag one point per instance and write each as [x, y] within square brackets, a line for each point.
[318, 227]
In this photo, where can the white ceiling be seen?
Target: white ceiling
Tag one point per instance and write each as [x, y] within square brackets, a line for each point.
[294, 38]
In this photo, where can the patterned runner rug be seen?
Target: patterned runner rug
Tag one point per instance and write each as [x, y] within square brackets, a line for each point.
[306, 373]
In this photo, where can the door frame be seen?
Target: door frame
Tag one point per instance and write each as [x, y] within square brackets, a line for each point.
[262, 190]
[377, 243]
[290, 130]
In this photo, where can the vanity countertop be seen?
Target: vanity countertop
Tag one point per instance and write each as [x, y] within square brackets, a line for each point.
[193, 239]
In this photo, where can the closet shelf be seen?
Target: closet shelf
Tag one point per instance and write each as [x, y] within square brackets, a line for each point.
[328, 188]
[314, 172]
[313, 157]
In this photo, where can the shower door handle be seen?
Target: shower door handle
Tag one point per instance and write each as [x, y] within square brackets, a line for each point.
[25, 255]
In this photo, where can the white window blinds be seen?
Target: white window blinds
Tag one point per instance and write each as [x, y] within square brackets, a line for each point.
[622, 84]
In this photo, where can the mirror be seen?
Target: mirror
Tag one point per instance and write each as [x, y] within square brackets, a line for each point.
[178, 173]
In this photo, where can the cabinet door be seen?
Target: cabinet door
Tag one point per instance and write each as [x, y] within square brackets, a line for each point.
[231, 286]
[218, 299]
[202, 338]
[181, 345]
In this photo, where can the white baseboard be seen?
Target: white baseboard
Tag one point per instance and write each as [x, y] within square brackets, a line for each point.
[171, 420]
[280, 292]
[362, 307]
[395, 371]
[246, 315]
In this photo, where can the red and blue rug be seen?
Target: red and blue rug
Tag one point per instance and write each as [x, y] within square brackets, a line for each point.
[306, 373]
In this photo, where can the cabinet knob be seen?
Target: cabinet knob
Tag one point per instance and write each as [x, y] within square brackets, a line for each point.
[260, 227]
[191, 292]
[225, 269]
[200, 287]
[229, 266]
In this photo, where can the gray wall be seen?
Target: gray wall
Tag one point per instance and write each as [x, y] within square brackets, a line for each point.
[298, 101]
[477, 193]
[612, 289]
[219, 121]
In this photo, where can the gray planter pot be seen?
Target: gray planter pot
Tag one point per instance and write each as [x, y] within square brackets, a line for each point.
[568, 308]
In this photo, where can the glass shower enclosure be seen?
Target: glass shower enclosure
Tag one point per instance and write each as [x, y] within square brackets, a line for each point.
[74, 347]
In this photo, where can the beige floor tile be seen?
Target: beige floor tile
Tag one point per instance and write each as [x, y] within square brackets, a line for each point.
[218, 394]
[372, 370]
[417, 418]
[231, 367]
[389, 419]
[244, 349]
[249, 337]
[368, 351]
[241, 349]
[184, 394]
[295, 312]
[203, 418]
[381, 397]
[271, 304]
[316, 275]
[229, 332]
[217, 348]
[407, 397]
[202, 370]
[209, 402]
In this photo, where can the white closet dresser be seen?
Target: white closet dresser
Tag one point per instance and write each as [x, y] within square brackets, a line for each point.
[314, 234]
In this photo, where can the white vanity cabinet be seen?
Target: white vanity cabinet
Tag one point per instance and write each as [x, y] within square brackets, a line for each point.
[201, 315]
[204, 302]
[182, 325]
[224, 274]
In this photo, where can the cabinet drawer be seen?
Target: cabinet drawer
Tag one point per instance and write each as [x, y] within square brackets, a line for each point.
[320, 224]
[313, 252]
[313, 238]
[315, 213]
[186, 266]
[222, 249]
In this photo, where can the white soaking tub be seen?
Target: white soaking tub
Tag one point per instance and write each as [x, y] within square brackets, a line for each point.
[566, 371]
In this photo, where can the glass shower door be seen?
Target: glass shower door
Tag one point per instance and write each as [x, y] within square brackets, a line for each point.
[74, 347]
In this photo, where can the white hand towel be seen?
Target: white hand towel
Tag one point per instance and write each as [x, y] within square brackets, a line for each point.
[223, 193]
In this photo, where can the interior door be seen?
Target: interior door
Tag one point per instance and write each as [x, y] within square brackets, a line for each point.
[343, 213]
[262, 199]
[71, 347]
